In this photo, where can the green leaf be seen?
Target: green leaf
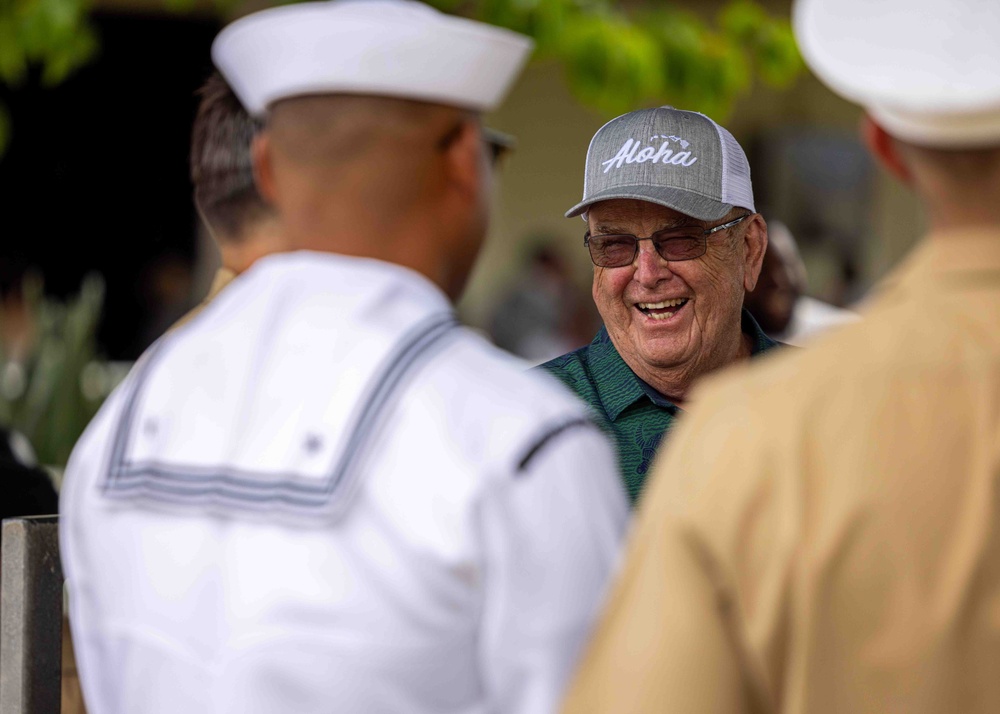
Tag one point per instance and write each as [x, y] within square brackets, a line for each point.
[13, 63]
[611, 63]
[742, 20]
[69, 57]
[53, 411]
[614, 60]
[62, 18]
[778, 58]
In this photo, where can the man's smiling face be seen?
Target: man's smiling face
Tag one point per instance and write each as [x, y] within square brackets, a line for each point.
[673, 321]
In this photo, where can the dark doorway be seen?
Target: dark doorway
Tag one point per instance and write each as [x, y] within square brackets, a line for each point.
[96, 176]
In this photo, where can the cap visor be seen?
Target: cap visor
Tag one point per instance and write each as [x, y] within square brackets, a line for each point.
[686, 202]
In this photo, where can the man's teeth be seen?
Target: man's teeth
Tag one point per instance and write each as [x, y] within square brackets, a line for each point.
[661, 305]
[648, 308]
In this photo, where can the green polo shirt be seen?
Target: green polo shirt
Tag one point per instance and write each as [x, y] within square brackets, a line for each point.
[634, 414]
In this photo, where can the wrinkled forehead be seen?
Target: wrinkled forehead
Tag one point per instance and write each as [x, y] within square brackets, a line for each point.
[624, 214]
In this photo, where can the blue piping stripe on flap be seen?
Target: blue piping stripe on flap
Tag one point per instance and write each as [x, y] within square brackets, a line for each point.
[126, 480]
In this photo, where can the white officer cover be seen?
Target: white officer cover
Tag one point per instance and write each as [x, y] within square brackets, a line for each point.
[232, 542]
[926, 70]
[391, 48]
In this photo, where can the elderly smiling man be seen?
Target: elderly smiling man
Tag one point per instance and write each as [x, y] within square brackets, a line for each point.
[675, 243]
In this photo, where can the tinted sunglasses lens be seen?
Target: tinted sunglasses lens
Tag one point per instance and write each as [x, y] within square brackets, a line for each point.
[497, 143]
[496, 152]
[612, 251]
[686, 247]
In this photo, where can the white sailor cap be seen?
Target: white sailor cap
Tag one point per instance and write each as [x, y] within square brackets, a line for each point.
[925, 70]
[396, 48]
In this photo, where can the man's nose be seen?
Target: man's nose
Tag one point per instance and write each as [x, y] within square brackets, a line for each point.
[650, 268]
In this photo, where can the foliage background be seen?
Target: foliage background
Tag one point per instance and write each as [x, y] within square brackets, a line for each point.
[614, 59]
[51, 394]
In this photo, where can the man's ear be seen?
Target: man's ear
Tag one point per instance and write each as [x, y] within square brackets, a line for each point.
[884, 148]
[463, 159]
[263, 168]
[754, 245]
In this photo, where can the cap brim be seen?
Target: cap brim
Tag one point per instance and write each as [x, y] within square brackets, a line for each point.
[686, 202]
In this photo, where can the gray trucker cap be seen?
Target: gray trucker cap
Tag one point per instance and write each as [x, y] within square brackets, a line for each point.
[678, 159]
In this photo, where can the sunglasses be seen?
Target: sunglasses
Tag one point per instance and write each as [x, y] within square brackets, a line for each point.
[675, 244]
[497, 143]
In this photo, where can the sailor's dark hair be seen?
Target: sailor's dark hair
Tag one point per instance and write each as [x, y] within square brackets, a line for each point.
[221, 165]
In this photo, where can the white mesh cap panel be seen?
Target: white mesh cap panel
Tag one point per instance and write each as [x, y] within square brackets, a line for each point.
[736, 186]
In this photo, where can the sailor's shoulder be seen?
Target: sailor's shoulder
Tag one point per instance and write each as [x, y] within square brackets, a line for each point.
[501, 382]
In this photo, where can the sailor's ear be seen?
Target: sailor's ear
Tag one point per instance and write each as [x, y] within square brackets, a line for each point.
[883, 147]
[263, 167]
[463, 156]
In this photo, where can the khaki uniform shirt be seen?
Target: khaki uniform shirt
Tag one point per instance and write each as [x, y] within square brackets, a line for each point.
[823, 533]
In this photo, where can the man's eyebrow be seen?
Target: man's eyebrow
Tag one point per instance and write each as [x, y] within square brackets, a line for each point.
[679, 222]
[609, 229]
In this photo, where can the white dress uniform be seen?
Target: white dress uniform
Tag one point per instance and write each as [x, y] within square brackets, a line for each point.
[323, 495]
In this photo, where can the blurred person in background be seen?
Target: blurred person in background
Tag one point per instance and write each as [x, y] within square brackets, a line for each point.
[779, 302]
[543, 314]
[242, 224]
[823, 534]
[17, 323]
[323, 494]
[676, 243]
[18, 330]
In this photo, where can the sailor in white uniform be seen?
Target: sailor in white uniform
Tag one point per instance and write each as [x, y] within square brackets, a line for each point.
[323, 494]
